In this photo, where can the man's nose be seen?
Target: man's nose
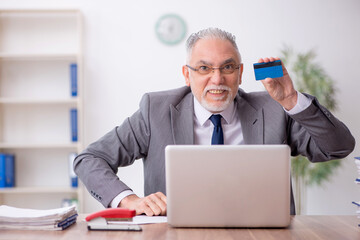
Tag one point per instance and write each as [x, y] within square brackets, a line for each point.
[217, 77]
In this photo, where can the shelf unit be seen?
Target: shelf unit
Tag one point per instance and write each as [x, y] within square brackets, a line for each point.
[37, 47]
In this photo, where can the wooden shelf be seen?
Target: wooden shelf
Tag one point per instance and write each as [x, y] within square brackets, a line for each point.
[30, 190]
[38, 56]
[26, 11]
[37, 48]
[39, 145]
[19, 101]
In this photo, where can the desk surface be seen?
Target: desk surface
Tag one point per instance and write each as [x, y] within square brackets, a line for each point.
[302, 227]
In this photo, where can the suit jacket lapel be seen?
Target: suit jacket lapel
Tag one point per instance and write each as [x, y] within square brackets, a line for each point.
[182, 121]
[252, 121]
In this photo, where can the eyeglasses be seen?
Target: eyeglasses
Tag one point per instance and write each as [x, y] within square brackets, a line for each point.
[226, 69]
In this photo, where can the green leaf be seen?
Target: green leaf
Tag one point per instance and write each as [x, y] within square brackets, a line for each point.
[309, 77]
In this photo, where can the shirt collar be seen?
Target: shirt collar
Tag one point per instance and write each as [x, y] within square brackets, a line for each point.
[203, 115]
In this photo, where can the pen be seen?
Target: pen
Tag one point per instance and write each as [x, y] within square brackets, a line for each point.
[116, 227]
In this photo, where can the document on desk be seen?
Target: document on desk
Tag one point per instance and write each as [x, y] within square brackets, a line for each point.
[140, 220]
[34, 219]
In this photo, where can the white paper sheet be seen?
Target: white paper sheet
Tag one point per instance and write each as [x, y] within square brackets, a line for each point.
[23, 218]
[142, 220]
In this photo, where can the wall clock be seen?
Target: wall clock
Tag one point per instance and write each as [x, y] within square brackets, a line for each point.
[170, 29]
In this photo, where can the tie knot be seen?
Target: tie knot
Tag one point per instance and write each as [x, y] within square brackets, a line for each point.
[216, 119]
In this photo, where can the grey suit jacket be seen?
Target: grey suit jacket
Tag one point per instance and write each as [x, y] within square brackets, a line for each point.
[167, 118]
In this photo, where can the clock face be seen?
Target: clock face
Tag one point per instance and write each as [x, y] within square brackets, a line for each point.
[170, 29]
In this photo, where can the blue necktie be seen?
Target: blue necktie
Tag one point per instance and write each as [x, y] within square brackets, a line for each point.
[217, 137]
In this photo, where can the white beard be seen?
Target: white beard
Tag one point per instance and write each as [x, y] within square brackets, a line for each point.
[215, 108]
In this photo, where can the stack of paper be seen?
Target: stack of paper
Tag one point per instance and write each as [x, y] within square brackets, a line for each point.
[357, 163]
[357, 181]
[22, 218]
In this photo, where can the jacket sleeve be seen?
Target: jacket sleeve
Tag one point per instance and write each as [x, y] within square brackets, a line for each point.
[98, 164]
[317, 134]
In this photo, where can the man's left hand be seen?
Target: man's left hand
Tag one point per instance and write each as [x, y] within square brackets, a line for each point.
[280, 89]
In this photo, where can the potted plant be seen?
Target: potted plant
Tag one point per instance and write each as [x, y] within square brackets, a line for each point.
[309, 77]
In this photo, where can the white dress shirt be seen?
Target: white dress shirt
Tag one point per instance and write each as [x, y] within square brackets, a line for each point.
[203, 129]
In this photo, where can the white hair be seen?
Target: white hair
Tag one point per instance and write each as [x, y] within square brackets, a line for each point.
[209, 33]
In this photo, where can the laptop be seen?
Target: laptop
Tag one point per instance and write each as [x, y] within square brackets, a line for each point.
[228, 185]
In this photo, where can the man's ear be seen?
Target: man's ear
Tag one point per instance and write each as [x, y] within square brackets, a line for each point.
[185, 71]
[241, 72]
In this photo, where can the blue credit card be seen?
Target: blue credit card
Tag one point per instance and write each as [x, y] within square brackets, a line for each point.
[268, 70]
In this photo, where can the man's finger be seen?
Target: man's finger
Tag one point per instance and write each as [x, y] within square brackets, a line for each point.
[147, 210]
[162, 196]
[153, 205]
[160, 200]
[146, 207]
[157, 199]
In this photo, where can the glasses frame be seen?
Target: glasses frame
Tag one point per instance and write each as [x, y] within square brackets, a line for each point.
[213, 69]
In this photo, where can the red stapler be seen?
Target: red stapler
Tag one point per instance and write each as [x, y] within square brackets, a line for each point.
[112, 219]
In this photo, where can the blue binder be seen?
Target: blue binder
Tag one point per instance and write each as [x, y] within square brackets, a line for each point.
[7, 170]
[73, 79]
[74, 125]
[2, 170]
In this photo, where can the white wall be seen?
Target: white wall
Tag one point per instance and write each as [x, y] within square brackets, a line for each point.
[123, 59]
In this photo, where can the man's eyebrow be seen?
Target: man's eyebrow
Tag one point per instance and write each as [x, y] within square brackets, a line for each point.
[230, 60]
[203, 62]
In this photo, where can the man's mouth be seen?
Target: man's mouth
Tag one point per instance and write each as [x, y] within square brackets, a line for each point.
[216, 91]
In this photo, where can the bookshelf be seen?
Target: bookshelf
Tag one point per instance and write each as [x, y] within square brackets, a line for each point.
[37, 47]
